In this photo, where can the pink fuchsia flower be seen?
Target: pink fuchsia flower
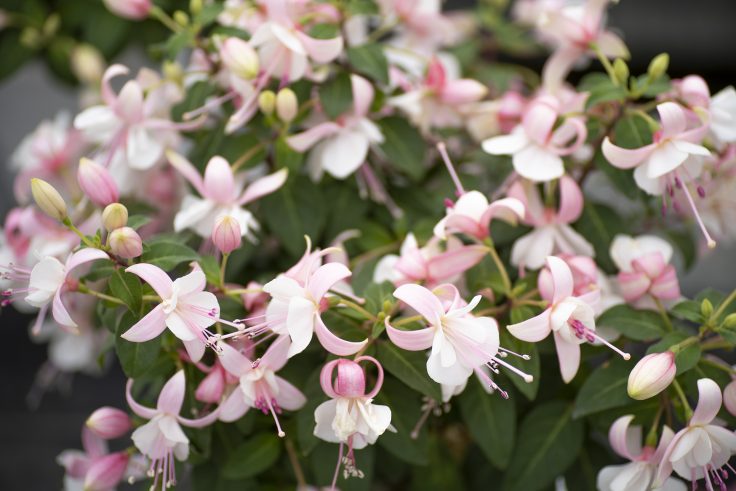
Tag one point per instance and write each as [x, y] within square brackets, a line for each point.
[341, 147]
[93, 468]
[226, 234]
[97, 183]
[472, 214]
[651, 375]
[259, 387]
[50, 279]
[701, 449]
[644, 268]
[420, 24]
[537, 145]
[584, 276]
[429, 264]
[109, 422]
[569, 318]
[125, 242]
[729, 397]
[161, 439]
[575, 30]
[440, 98]
[185, 308]
[639, 473]
[129, 9]
[460, 342]
[350, 417]
[721, 107]
[552, 231]
[222, 194]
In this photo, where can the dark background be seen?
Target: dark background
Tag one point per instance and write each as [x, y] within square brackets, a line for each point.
[699, 36]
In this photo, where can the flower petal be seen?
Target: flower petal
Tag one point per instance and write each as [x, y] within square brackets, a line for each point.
[673, 117]
[532, 249]
[448, 264]
[154, 276]
[150, 326]
[417, 340]
[219, 181]
[84, 256]
[171, 397]
[571, 200]
[666, 286]
[321, 50]
[538, 164]
[533, 330]
[664, 159]
[709, 402]
[234, 406]
[506, 144]
[143, 149]
[234, 361]
[140, 410]
[621, 436]
[300, 322]
[625, 158]
[187, 170]
[301, 142]
[334, 344]
[277, 354]
[289, 397]
[61, 315]
[422, 300]
[561, 278]
[568, 355]
[263, 186]
[325, 277]
[344, 153]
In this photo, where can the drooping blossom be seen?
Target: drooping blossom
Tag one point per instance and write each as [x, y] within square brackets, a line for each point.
[222, 193]
[109, 422]
[571, 319]
[721, 107]
[638, 474]
[185, 309]
[340, 147]
[471, 214]
[350, 418]
[258, 385]
[420, 25]
[552, 231]
[651, 375]
[537, 145]
[161, 439]
[461, 343]
[499, 116]
[644, 268]
[701, 449]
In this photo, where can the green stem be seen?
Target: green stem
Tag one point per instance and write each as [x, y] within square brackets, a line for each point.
[717, 365]
[223, 266]
[161, 16]
[241, 291]
[605, 62]
[651, 440]
[352, 305]
[726, 302]
[84, 289]
[67, 221]
[683, 399]
[407, 320]
[248, 155]
[676, 348]
[716, 344]
[663, 313]
[499, 265]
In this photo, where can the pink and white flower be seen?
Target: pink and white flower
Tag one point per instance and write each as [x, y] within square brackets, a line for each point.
[644, 268]
[93, 468]
[471, 215]
[721, 107]
[571, 319]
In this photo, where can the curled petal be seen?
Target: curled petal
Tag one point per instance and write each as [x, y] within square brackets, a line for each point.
[625, 158]
[108, 95]
[510, 210]
[533, 330]
[666, 286]
[422, 300]
[234, 361]
[709, 402]
[277, 354]
[561, 278]
[233, 407]
[420, 339]
[263, 186]
[674, 120]
[154, 276]
[571, 200]
[171, 397]
[620, 435]
[325, 277]
[558, 66]
[333, 344]
[451, 263]
[325, 379]
[61, 315]
[379, 377]
[83, 256]
[187, 170]
[139, 409]
[568, 354]
[321, 50]
[362, 95]
[301, 142]
[539, 119]
[150, 326]
[200, 422]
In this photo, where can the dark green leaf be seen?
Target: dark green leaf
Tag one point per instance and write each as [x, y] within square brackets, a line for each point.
[287, 157]
[253, 456]
[688, 310]
[632, 132]
[410, 367]
[639, 325]
[137, 221]
[336, 96]
[369, 60]
[686, 358]
[406, 411]
[404, 146]
[167, 254]
[135, 358]
[127, 287]
[599, 224]
[604, 389]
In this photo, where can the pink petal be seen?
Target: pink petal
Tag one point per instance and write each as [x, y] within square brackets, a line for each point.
[263, 186]
[325, 277]
[219, 182]
[363, 94]
[321, 50]
[618, 435]
[448, 264]
[154, 276]
[509, 210]
[109, 95]
[568, 355]
[674, 120]
[540, 118]
[417, 340]
[93, 444]
[559, 65]
[61, 315]
[527, 194]
[462, 91]
[140, 410]
[150, 326]
[666, 286]
[234, 361]
[187, 170]
[665, 465]
[664, 159]
[633, 285]
[651, 264]
[195, 349]
[107, 472]
[569, 137]
[171, 397]
[571, 200]
[611, 45]
[289, 398]
[709, 402]
[625, 158]
[422, 300]
[129, 105]
[333, 344]
[533, 330]
[277, 354]
[301, 142]
[561, 278]
[83, 256]
[234, 407]
[201, 422]
[463, 224]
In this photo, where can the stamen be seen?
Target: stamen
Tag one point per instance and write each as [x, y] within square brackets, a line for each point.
[493, 385]
[459, 190]
[708, 238]
[581, 331]
[523, 357]
[212, 103]
[527, 378]
[429, 407]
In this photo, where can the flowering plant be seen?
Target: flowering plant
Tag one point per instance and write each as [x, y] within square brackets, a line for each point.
[346, 216]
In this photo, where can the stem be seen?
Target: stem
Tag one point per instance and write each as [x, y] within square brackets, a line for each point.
[501, 268]
[347, 303]
[451, 169]
[79, 233]
[161, 16]
[651, 440]
[151, 298]
[223, 265]
[605, 62]
[716, 344]
[83, 289]
[676, 348]
[248, 155]
[294, 460]
[534, 303]
[241, 291]
[408, 320]
[683, 399]
[719, 366]
[726, 302]
[663, 313]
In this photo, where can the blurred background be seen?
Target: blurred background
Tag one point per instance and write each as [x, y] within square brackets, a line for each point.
[35, 427]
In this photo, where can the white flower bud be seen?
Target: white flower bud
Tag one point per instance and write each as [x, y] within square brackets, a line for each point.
[652, 375]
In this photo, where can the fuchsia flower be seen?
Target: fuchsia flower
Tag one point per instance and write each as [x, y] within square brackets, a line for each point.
[222, 194]
[341, 147]
[460, 342]
[97, 183]
[162, 439]
[129, 9]
[552, 231]
[570, 318]
[350, 417]
[638, 474]
[109, 422]
[584, 276]
[259, 386]
[701, 449]
[185, 308]
[471, 214]
[721, 107]
[651, 375]
[537, 144]
[644, 267]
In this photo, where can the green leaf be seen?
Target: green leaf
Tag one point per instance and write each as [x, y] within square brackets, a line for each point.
[135, 358]
[404, 146]
[639, 325]
[209, 14]
[410, 367]
[287, 157]
[211, 269]
[376, 294]
[604, 389]
[167, 254]
[531, 366]
[137, 221]
[603, 90]
[632, 131]
[336, 96]
[369, 60]
[127, 287]
[305, 416]
[688, 310]
[491, 422]
[406, 410]
[686, 358]
[548, 443]
[599, 224]
[252, 457]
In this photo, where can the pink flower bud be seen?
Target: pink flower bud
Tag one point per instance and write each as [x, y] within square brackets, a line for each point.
[126, 243]
[226, 234]
[129, 9]
[109, 422]
[350, 380]
[210, 389]
[729, 397]
[652, 375]
[97, 183]
[240, 58]
[106, 472]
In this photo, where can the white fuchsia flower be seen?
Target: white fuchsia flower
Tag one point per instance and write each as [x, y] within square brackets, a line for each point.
[721, 107]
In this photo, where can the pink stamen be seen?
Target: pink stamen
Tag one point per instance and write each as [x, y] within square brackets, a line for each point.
[582, 332]
[459, 190]
[212, 103]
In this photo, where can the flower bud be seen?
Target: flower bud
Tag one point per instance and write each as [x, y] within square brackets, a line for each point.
[240, 58]
[48, 199]
[226, 234]
[286, 105]
[211, 388]
[652, 375]
[129, 9]
[621, 70]
[267, 102]
[181, 18]
[729, 321]
[97, 183]
[729, 397]
[106, 472]
[114, 216]
[706, 308]
[658, 66]
[126, 243]
[87, 63]
[109, 422]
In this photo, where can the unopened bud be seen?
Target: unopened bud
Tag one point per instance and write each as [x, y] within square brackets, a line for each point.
[109, 422]
[286, 105]
[240, 58]
[652, 375]
[621, 70]
[226, 234]
[267, 102]
[87, 63]
[97, 183]
[706, 308]
[658, 66]
[129, 9]
[48, 199]
[173, 71]
[106, 472]
[126, 243]
[729, 397]
[114, 216]
[729, 321]
[195, 6]
[181, 18]
[211, 387]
